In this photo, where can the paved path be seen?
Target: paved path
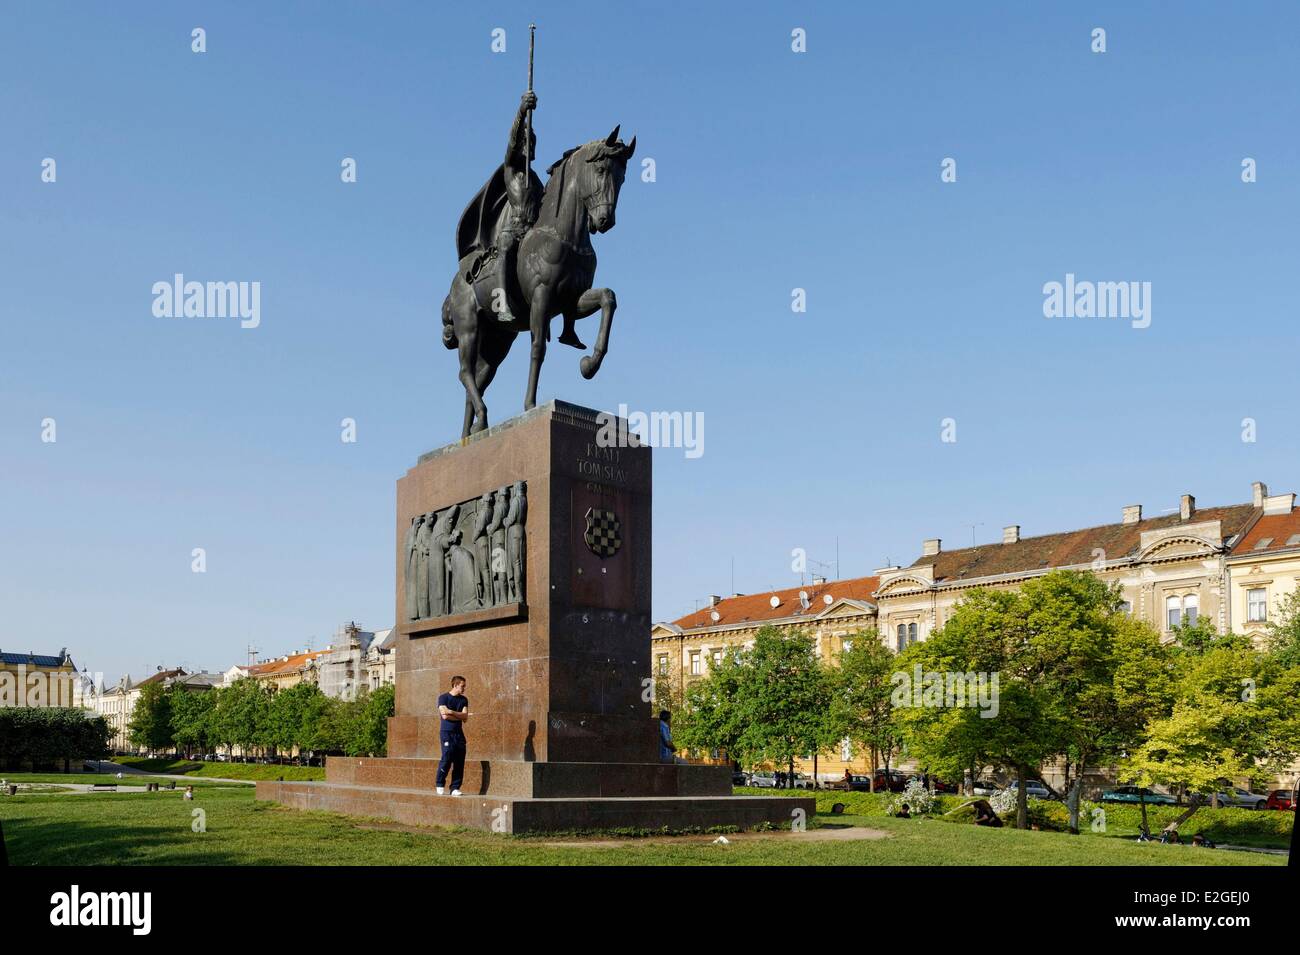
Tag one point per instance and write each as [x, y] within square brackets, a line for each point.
[104, 766]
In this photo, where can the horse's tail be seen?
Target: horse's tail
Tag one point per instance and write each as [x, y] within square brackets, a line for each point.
[448, 330]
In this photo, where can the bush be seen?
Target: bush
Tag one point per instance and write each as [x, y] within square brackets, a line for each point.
[46, 736]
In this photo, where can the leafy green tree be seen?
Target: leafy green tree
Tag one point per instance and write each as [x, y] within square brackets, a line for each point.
[191, 718]
[370, 725]
[1235, 715]
[1283, 633]
[861, 687]
[240, 717]
[150, 727]
[286, 716]
[710, 716]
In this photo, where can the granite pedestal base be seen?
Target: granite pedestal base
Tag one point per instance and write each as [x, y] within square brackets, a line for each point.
[515, 796]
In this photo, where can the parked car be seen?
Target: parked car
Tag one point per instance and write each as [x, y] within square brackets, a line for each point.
[803, 782]
[986, 787]
[1033, 788]
[891, 781]
[1137, 794]
[764, 779]
[1280, 799]
[1242, 799]
[739, 778]
[936, 785]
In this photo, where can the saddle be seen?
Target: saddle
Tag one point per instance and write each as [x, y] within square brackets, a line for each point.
[489, 270]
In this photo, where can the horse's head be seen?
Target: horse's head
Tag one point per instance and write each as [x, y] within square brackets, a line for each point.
[599, 167]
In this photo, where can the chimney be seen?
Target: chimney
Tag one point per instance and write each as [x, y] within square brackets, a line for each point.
[1133, 514]
[1260, 490]
[713, 600]
[931, 547]
[1187, 507]
[1011, 533]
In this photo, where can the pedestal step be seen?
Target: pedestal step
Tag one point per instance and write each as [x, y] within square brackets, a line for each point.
[416, 807]
[529, 780]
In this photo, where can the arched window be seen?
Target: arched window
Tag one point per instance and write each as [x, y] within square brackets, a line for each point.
[1191, 608]
[902, 637]
[911, 633]
[1173, 612]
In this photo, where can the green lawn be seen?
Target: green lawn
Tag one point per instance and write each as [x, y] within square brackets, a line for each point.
[198, 769]
[155, 829]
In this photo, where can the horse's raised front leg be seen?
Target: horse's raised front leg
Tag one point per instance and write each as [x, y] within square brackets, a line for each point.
[537, 318]
[588, 302]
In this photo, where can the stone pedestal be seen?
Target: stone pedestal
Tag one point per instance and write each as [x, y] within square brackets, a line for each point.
[560, 734]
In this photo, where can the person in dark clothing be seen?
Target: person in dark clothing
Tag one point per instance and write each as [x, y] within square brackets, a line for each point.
[667, 751]
[453, 707]
[904, 812]
[985, 816]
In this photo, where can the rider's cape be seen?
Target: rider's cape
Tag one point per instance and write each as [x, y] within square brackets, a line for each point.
[480, 223]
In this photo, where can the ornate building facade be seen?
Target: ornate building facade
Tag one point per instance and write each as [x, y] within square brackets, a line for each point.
[1233, 564]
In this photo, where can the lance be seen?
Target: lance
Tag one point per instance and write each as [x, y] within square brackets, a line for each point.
[528, 136]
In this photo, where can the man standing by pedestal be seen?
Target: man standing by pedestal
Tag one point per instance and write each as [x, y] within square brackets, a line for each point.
[453, 707]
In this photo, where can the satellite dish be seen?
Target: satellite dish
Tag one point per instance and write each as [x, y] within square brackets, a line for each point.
[803, 599]
[714, 616]
[775, 601]
[828, 600]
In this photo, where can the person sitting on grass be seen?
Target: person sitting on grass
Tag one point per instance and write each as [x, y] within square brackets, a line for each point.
[985, 816]
[1202, 842]
[904, 812]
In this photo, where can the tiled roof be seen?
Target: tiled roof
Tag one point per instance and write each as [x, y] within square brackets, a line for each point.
[757, 608]
[288, 664]
[1073, 548]
[1281, 531]
[161, 676]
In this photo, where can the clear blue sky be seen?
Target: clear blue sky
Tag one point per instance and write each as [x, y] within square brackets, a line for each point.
[775, 170]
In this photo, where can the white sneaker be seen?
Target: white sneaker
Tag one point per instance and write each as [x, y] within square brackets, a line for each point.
[455, 792]
[440, 790]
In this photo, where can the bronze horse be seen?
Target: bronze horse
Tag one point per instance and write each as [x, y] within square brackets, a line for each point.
[550, 274]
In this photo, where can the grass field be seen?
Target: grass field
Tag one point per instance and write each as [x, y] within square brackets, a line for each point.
[128, 779]
[198, 769]
[156, 829]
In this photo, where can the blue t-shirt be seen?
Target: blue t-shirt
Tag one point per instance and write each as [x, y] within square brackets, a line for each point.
[459, 704]
[665, 741]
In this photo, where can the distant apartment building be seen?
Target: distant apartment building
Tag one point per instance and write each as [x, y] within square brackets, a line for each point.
[356, 659]
[40, 679]
[1232, 564]
[117, 703]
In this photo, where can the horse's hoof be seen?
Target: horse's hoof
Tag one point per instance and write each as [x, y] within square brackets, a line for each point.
[588, 367]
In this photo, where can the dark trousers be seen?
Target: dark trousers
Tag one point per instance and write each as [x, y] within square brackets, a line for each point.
[453, 756]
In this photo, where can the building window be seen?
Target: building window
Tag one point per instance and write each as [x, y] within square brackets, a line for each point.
[717, 659]
[1181, 611]
[695, 663]
[1126, 608]
[1257, 605]
[848, 645]
[911, 633]
[1173, 612]
[902, 637]
[663, 665]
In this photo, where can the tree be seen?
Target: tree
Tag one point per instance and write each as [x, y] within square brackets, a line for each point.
[370, 727]
[1235, 714]
[769, 703]
[150, 727]
[860, 688]
[1283, 633]
[191, 718]
[240, 717]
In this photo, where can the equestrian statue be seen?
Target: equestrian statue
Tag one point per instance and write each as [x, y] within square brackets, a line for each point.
[525, 257]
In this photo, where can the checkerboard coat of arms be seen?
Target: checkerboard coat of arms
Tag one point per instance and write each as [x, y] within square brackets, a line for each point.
[604, 534]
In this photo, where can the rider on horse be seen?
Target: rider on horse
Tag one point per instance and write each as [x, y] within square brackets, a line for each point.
[516, 192]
